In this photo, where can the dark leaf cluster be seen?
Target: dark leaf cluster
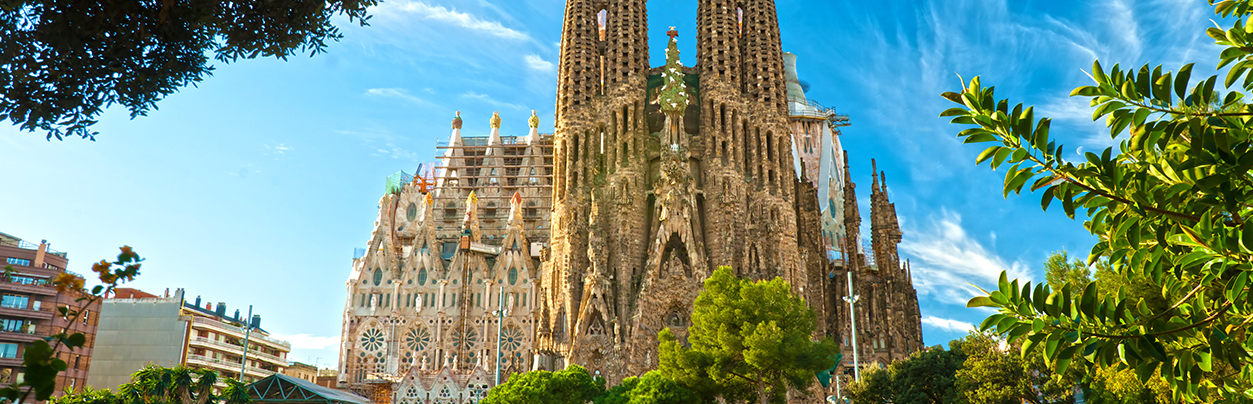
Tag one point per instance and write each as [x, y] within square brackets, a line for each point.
[63, 61]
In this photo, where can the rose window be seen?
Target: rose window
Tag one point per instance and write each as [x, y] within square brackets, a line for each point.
[511, 338]
[465, 339]
[372, 339]
[417, 339]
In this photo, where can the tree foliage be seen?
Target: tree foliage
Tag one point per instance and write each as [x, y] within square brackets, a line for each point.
[749, 341]
[994, 373]
[1170, 206]
[572, 385]
[876, 386]
[63, 61]
[651, 388]
[160, 385]
[926, 376]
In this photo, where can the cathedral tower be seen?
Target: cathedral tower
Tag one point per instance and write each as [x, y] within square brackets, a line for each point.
[662, 175]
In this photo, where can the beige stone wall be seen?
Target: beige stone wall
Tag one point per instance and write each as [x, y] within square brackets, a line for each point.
[419, 302]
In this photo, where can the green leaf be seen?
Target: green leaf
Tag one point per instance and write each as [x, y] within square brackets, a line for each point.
[987, 153]
[1086, 91]
[1181, 80]
[981, 301]
[990, 322]
[1246, 235]
[1087, 302]
[76, 340]
[954, 112]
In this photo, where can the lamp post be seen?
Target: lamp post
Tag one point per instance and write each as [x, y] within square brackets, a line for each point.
[500, 322]
[247, 330]
[852, 319]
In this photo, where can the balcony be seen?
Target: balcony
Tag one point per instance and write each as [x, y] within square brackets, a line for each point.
[235, 349]
[46, 312]
[237, 332]
[45, 289]
[22, 336]
[223, 364]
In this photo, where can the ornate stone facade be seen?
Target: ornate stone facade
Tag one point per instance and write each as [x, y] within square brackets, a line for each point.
[889, 322]
[658, 176]
[419, 318]
[650, 196]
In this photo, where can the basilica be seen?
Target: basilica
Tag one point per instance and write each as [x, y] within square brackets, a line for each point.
[534, 252]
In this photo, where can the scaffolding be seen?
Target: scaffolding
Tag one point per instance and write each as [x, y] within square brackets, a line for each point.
[470, 171]
[834, 119]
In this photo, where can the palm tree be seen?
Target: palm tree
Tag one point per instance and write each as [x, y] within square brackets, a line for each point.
[179, 385]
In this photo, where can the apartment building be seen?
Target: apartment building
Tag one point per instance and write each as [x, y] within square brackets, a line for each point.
[170, 331]
[28, 311]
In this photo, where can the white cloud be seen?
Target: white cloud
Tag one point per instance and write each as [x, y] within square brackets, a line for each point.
[950, 263]
[1122, 23]
[537, 63]
[489, 100]
[307, 341]
[279, 149]
[451, 16]
[396, 152]
[947, 324]
[399, 93]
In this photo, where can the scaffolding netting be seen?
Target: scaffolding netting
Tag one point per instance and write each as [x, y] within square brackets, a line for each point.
[396, 182]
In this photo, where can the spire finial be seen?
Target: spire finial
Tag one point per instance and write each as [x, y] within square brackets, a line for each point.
[874, 179]
[495, 119]
[672, 32]
[456, 121]
[533, 121]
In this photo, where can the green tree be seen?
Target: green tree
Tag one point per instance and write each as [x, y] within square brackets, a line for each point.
[1170, 206]
[928, 376]
[1060, 269]
[751, 340]
[87, 396]
[1112, 386]
[181, 385]
[994, 373]
[572, 385]
[651, 388]
[62, 62]
[876, 386]
[160, 385]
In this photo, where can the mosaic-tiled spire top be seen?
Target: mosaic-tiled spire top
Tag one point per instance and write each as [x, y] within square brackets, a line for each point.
[673, 94]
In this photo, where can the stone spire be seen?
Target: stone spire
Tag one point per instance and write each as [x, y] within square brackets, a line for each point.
[454, 150]
[470, 225]
[515, 209]
[672, 96]
[884, 227]
[852, 221]
[533, 122]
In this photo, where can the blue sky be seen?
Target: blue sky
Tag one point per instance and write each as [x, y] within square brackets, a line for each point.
[255, 186]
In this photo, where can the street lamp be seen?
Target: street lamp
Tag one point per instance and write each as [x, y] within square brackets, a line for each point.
[852, 319]
[247, 330]
[500, 322]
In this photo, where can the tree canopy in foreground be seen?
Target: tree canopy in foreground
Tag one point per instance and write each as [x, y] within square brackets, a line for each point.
[63, 61]
[1171, 206]
[747, 339]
